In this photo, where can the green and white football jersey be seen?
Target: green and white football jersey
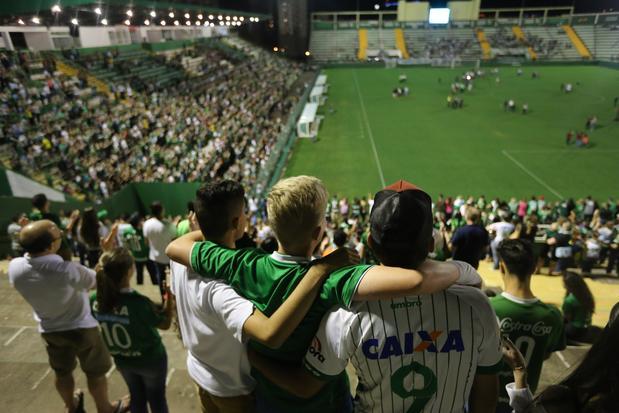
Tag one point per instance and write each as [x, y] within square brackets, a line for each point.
[415, 354]
[130, 332]
[535, 328]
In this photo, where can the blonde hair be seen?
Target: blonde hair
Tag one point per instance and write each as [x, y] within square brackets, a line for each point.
[295, 206]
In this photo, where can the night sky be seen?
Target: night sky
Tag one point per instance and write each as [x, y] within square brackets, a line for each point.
[582, 6]
[267, 6]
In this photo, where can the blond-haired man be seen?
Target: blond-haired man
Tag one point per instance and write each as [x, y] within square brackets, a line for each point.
[296, 208]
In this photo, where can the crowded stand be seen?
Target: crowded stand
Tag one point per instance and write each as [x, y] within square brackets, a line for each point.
[445, 48]
[231, 116]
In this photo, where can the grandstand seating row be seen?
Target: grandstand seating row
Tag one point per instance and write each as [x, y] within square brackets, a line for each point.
[546, 42]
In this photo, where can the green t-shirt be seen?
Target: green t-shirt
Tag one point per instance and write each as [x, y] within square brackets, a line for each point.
[130, 333]
[580, 318]
[267, 280]
[535, 328]
[134, 241]
[183, 228]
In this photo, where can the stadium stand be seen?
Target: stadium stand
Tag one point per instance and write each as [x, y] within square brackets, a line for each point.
[237, 98]
[339, 45]
[578, 43]
[449, 43]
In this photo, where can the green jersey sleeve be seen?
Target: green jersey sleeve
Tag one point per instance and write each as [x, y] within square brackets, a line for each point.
[214, 261]
[341, 286]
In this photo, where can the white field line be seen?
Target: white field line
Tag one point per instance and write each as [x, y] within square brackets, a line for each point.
[36, 383]
[170, 373]
[14, 336]
[563, 360]
[563, 151]
[110, 371]
[369, 129]
[532, 175]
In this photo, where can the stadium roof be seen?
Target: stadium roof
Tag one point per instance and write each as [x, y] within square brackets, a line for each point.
[109, 8]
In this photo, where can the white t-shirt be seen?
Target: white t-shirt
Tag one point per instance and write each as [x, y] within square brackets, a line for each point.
[159, 234]
[211, 316]
[418, 353]
[56, 289]
[502, 230]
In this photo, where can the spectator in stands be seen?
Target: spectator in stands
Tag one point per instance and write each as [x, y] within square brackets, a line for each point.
[296, 208]
[535, 327]
[562, 248]
[401, 222]
[133, 239]
[592, 387]
[13, 230]
[40, 210]
[57, 290]
[183, 226]
[501, 229]
[91, 233]
[129, 322]
[470, 242]
[159, 232]
[215, 321]
[578, 306]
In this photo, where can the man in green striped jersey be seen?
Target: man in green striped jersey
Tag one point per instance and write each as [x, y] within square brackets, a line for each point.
[296, 209]
[534, 327]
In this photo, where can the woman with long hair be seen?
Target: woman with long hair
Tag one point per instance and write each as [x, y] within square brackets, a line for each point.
[90, 234]
[578, 306]
[129, 323]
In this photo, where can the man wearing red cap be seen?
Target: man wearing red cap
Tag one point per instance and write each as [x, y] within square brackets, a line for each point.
[438, 352]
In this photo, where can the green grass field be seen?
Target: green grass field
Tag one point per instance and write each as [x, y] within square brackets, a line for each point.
[373, 138]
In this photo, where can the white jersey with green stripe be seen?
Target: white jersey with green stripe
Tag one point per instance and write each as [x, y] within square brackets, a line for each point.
[416, 354]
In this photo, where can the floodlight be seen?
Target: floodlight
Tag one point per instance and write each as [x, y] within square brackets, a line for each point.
[439, 16]
[97, 11]
[56, 8]
[153, 13]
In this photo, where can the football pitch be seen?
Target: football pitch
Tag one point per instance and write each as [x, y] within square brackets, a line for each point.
[368, 138]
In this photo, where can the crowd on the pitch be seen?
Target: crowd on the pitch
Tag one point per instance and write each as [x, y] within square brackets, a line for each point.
[91, 144]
